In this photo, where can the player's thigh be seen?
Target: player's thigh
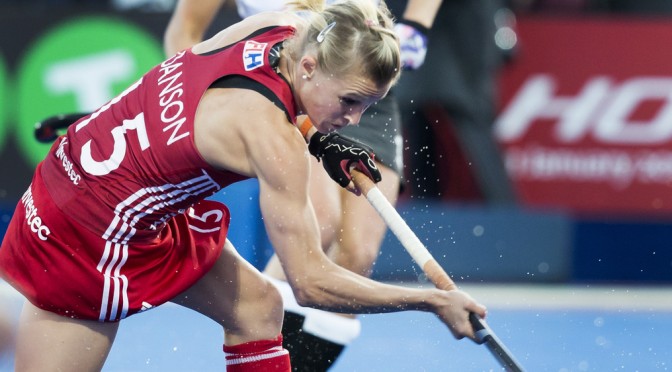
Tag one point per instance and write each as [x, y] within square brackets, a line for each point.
[51, 342]
[237, 296]
[362, 228]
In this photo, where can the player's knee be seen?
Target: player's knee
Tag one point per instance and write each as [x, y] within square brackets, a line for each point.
[270, 306]
[274, 300]
[259, 316]
[314, 338]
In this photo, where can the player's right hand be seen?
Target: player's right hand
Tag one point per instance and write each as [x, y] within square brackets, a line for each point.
[339, 154]
[453, 308]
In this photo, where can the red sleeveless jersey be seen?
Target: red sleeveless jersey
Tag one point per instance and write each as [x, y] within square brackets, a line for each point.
[114, 221]
[133, 163]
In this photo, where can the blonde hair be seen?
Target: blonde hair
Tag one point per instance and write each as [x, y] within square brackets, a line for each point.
[350, 36]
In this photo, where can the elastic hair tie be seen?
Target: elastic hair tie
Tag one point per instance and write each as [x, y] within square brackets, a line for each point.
[325, 31]
[370, 22]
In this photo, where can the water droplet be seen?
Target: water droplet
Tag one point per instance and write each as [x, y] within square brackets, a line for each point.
[601, 341]
[583, 365]
[478, 230]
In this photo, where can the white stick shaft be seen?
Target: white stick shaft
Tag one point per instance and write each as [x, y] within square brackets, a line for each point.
[429, 266]
[408, 239]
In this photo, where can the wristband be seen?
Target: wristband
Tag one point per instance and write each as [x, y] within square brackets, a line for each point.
[422, 29]
[305, 127]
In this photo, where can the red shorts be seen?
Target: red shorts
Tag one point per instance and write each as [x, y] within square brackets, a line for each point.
[62, 267]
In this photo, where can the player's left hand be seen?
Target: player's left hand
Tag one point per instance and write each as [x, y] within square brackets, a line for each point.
[339, 154]
[413, 43]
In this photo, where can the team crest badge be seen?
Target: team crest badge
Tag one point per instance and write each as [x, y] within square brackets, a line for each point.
[253, 55]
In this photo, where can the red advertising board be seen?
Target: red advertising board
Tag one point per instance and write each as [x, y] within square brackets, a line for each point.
[585, 119]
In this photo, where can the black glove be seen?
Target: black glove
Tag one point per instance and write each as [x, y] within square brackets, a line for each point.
[339, 153]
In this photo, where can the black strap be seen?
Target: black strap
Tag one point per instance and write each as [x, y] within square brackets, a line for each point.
[243, 82]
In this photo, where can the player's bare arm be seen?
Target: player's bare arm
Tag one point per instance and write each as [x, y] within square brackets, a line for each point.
[422, 11]
[188, 24]
[318, 282]
[280, 162]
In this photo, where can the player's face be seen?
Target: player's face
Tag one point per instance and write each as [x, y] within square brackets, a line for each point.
[333, 103]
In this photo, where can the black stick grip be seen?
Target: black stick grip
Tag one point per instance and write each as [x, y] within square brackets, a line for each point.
[484, 335]
[46, 131]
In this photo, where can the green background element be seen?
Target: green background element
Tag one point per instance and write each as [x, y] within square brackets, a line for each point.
[4, 105]
[76, 38]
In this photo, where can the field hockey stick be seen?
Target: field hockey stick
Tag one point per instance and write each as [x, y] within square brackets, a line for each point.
[46, 131]
[431, 268]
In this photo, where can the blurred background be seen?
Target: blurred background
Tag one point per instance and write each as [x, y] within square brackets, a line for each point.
[538, 164]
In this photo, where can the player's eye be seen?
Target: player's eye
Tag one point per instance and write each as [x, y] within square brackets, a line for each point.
[348, 101]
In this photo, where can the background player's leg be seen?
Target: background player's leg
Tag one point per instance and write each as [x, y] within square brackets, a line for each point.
[50, 342]
[362, 230]
[308, 352]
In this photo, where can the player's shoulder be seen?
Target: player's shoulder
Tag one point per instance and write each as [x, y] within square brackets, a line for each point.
[251, 111]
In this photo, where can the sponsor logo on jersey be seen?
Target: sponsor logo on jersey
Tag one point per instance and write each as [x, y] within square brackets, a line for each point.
[67, 164]
[253, 55]
[32, 219]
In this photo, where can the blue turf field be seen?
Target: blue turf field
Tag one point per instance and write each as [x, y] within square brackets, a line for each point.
[543, 340]
[548, 329]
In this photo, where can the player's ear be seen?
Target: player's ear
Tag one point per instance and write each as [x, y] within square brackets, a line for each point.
[308, 65]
